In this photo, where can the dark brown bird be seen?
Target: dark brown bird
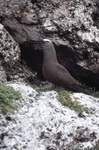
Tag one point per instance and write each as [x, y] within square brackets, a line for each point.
[55, 72]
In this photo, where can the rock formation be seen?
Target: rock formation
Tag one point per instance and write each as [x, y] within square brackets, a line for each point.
[72, 26]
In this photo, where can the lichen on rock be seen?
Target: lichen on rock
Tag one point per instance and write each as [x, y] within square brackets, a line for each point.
[43, 122]
[9, 49]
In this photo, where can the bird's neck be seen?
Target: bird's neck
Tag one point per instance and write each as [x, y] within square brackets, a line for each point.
[50, 55]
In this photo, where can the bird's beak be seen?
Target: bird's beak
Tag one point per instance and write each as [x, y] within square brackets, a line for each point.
[41, 40]
[38, 41]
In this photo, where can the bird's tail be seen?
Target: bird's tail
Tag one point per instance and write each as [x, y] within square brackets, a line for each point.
[81, 89]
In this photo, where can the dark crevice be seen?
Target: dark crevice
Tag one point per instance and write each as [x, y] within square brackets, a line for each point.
[85, 54]
[66, 57]
[33, 58]
[96, 49]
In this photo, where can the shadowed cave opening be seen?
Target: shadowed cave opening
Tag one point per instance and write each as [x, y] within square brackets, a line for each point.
[34, 59]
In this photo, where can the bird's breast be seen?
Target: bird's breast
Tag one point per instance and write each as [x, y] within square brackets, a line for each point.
[49, 71]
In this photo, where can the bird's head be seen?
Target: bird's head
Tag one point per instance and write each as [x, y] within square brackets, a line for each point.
[46, 41]
[46, 44]
[48, 49]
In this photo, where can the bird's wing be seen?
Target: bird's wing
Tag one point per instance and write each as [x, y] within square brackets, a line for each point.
[64, 76]
[65, 80]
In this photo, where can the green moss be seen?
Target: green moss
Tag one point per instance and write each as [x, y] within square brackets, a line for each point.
[64, 97]
[44, 89]
[7, 98]
[66, 100]
[75, 149]
[94, 148]
[93, 92]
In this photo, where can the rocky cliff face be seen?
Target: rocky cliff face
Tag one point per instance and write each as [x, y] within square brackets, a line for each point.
[9, 54]
[42, 123]
[11, 67]
[71, 25]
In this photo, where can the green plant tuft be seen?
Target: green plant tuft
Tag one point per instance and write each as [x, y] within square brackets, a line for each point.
[64, 97]
[66, 100]
[7, 98]
[93, 92]
[96, 147]
[75, 149]
[46, 89]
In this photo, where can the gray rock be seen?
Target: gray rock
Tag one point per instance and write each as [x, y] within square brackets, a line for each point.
[72, 26]
[3, 77]
[9, 49]
[42, 123]
[9, 53]
[11, 67]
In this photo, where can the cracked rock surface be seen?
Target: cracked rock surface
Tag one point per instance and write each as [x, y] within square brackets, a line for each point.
[11, 67]
[72, 26]
[42, 123]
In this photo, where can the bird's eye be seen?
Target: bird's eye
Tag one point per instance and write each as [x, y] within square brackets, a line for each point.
[46, 40]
